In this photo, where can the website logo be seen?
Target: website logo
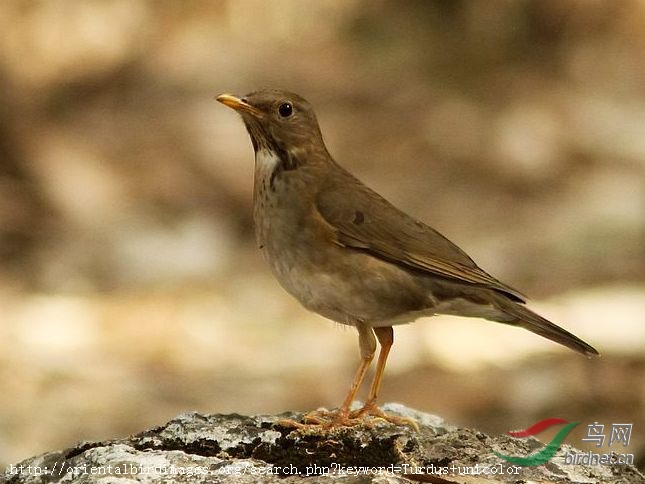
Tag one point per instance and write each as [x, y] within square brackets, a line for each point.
[549, 449]
[620, 434]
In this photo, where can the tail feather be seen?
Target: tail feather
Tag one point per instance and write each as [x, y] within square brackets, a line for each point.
[522, 316]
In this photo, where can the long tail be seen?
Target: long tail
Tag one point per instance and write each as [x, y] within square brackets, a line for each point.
[519, 315]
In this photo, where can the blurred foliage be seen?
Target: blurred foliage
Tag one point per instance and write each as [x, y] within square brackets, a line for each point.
[107, 133]
[127, 263]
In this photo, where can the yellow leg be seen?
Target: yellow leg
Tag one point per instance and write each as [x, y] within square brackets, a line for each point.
[325, 420]
[367, 344]
[386, 338]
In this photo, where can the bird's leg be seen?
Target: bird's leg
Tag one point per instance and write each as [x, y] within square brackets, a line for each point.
[369, 413]
[367, 344]
[385, 337]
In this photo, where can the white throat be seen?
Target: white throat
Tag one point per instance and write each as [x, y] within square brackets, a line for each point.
[265, 161]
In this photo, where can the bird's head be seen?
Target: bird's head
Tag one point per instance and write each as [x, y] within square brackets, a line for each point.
[278, 121]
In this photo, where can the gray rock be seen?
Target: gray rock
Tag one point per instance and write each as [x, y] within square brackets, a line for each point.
[195, 448]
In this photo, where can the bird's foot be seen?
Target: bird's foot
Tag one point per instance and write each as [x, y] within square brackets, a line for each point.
[322, 420]
[371, 415]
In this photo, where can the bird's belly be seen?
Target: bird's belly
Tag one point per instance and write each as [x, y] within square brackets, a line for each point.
[340, 283]
[347, 286]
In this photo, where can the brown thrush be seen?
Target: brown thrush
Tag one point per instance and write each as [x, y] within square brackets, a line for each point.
[348, 254]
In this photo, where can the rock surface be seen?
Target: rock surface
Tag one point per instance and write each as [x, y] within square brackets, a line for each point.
[199, 448]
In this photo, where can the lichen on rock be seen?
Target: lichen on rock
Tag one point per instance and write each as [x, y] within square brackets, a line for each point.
[233, 448]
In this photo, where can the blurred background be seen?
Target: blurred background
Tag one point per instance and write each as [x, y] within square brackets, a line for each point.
[130, 286]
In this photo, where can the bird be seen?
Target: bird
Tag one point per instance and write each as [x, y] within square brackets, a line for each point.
[345, 252]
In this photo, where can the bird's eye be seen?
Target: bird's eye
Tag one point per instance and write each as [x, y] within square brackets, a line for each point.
[285, 110]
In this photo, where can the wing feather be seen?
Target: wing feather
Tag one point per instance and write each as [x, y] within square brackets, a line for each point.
[363, 220]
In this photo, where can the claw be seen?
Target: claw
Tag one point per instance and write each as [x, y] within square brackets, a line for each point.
[374, 414]
[368, 416]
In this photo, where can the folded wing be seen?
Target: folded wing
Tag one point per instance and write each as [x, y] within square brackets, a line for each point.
[363, 220]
